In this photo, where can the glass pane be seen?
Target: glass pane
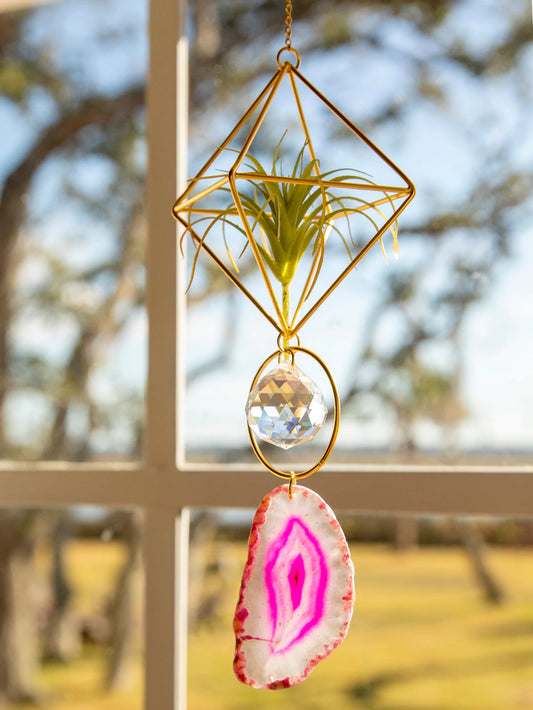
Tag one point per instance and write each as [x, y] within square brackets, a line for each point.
[71, 590]
[72, 319]
[430, 350]
[442, 620]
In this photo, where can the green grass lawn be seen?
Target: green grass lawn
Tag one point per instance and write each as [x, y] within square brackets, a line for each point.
[93, 567]
[422, 638]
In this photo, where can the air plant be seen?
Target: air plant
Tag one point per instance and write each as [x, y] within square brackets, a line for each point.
[294, 214]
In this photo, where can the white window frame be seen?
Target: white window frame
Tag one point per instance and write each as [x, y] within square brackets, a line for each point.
[164, 485]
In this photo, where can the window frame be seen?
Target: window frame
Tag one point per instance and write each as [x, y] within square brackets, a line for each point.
[164, 485]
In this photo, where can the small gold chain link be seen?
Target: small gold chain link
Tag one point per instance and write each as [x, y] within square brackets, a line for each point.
[288, 24]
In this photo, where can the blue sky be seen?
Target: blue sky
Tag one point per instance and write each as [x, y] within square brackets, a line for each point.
[435, 144]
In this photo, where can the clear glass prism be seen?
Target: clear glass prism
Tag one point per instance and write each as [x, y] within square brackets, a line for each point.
[286, 408]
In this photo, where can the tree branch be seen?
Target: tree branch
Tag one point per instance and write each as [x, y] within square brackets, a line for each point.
[93, 112]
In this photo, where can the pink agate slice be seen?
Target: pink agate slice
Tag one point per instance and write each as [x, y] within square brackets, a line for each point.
[297, 595]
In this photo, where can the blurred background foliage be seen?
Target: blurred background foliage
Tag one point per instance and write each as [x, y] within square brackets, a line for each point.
[445, 86]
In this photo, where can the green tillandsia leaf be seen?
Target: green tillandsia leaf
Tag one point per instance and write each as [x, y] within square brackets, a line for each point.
[270, 262]
[276, 257]
[292, 218]
[311, 235]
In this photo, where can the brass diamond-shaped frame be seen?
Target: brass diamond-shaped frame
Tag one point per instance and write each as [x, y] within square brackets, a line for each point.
[185, 206]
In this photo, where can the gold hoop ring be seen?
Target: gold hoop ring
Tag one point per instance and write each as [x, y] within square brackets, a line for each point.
[295, 476]
[282, 335]
[293, 51]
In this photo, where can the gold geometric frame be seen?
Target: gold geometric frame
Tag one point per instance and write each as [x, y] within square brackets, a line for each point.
[185, 206]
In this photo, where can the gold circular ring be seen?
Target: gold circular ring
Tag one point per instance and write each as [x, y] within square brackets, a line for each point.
[279, 341]
[336, 421]
[292, 51]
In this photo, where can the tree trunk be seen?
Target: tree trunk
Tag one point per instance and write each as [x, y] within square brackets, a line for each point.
[18, 618]
[475, 548]
[123, 609]
[405, 532]
[62, 639]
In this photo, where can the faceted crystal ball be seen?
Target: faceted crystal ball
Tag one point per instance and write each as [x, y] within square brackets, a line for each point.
[285, 407]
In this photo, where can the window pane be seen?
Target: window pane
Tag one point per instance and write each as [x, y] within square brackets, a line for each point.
[71, 588]
[72, 320]
[429, 351]
[443, 618]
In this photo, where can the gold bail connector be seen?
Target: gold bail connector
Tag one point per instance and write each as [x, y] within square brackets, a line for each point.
[291, 483]
[286, 351]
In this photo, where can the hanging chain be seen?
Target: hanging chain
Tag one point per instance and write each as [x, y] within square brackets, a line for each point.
[288, 24]
[288, 38]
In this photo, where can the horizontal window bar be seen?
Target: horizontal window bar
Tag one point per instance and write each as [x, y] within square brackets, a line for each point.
[457, 490]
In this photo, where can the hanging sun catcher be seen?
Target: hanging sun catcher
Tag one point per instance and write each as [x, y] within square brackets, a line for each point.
[297, 594]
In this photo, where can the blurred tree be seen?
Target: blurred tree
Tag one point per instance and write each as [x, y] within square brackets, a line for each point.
[61, 641]
[19, 532]
[124, 602]
[84, 122]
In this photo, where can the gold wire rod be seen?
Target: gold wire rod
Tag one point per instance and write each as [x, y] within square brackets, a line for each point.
[204, 210]
[258, 177]
[336, 421]
[354, 128]
[257, 254]
[231, 276]
[304, 124]
[312, 277]
[227, 140]
[347, 211]
[352, 264]
[269, 92]
[208, 190]
[309, 284]
[254, 177]
[410, 195]
[260, 118]
[319, 256]
[236, 198]
[362, 208]
[372, 205]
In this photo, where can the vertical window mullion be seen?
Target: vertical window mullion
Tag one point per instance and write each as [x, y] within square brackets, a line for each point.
[166, 544]
[165, 527]
[162, 186]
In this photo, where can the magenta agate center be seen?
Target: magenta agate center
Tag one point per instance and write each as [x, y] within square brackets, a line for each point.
[296, 580]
